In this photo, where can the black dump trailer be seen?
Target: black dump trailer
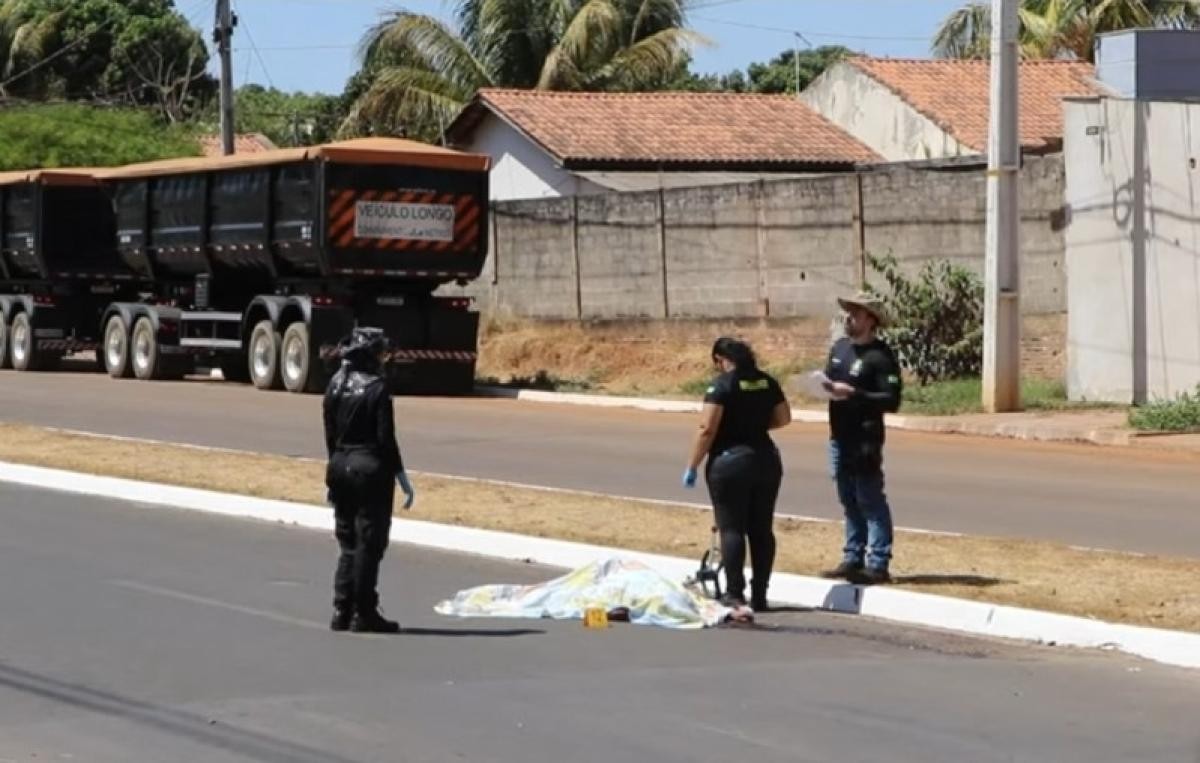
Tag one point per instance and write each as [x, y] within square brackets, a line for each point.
[258, 264]
[59, 266]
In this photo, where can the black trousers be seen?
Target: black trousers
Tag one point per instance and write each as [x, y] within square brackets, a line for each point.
[744, 484]
[362, 494]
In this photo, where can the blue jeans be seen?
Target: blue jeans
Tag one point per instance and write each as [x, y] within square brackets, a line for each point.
[868, 516]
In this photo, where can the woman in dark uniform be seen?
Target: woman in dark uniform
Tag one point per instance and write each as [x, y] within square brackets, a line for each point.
[364, 467]
[743, 470]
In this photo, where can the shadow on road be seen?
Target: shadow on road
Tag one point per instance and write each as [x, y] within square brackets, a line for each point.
[470, 632]
[975, 581]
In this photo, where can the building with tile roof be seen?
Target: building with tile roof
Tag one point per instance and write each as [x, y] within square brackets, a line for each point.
[245, 143]
[547, 144]
[916, 110]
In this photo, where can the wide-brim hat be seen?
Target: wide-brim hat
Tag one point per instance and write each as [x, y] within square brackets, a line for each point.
[872, 303]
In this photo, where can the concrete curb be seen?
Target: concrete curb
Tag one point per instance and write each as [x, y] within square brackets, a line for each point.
[979, 618]
[935, 425]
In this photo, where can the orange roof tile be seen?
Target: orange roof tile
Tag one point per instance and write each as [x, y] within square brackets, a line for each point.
[247, 143]
[955, 95]
[671, 128]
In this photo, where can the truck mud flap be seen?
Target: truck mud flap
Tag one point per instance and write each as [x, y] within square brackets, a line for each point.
[434, 373]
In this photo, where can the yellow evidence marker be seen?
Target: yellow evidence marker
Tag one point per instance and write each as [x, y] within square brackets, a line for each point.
[595, 617]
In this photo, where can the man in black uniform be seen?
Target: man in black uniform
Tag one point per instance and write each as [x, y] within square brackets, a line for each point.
[743, 469]
[864, 383]
[364, 459]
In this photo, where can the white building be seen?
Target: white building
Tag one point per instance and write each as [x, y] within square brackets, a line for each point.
[919, 110]
[1133, 239]
[547, 144]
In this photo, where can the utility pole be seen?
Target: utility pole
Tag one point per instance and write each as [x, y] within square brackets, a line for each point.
[1001, 302]
[222, 35]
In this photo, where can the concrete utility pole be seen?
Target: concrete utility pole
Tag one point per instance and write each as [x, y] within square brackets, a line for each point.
[222, 36]
[1001, 301]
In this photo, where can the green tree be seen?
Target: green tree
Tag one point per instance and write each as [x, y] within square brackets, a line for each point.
[779, 74]
[423, 71]
[75, 135]
[1059, 28]
[288, 119]
[139, 52]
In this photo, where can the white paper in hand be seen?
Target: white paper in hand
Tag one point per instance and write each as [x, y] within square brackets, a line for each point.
[814, 385]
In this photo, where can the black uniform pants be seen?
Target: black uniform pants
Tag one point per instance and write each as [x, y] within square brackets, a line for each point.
[744, 483]
[362, 494]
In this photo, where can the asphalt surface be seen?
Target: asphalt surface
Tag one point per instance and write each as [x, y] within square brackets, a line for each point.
[1085, 495]
[134, 633]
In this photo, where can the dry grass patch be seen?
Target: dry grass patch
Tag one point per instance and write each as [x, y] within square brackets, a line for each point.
[1143, 590]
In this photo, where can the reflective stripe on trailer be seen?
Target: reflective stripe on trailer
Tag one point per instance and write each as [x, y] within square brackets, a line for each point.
[66, 345]
[462, 356]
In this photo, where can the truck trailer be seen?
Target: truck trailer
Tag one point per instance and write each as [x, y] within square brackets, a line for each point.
[256, 264]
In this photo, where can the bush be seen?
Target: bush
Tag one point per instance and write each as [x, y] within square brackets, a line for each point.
[71, 135]
[1179, 415]
[936, 319]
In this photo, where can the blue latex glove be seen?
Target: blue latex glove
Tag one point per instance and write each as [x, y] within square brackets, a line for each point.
[406, 486]
[689, 478]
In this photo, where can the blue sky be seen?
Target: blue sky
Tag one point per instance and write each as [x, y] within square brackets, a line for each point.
[310, 44]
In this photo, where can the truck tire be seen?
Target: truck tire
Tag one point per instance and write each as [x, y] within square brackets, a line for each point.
[262, 354]
[5, 361]
[147, 355]
[115, 348]
[23, 347]
[296, 366]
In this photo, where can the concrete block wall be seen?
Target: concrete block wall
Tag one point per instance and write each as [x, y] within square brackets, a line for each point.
[619, 249]
[768, 249]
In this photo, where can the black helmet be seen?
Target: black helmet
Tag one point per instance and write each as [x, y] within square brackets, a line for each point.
[363, 342]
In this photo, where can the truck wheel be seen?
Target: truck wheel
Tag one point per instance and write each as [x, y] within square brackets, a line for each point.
[146, 356]
[300, 373]
[23, 347]
[263, 356]
[5, 362]
[115, 348]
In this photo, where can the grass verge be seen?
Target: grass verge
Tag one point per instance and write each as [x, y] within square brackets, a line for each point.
[1117, 587]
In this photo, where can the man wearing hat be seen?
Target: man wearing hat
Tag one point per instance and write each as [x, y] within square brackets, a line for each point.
[863, 384]
[364, 467]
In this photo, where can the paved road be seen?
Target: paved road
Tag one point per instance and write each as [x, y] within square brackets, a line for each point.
[132, 633]
[1086, 495]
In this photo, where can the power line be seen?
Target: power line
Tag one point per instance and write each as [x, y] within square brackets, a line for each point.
[257, 54]
[789, 31]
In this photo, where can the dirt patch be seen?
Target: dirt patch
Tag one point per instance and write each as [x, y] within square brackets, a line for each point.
[1116, 587]
[651, 358]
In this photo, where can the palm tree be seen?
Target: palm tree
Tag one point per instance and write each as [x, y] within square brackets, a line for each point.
[1059, 28]
[28, 34]
[422, 71]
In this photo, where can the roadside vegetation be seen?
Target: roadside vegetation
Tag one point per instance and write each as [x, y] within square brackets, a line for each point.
[1179, 415]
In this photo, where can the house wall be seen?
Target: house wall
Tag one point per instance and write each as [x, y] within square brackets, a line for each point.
[874, 114]
[1133, 249]
[520, 168]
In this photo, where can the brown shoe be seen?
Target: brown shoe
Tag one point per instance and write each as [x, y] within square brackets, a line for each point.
[872, 576]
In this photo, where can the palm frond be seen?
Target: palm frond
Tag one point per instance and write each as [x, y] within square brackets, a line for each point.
[414, 99]
[965, 33]
[592, 36]
[647, 63]
[422, 42]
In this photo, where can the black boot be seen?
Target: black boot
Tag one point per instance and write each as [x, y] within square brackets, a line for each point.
[341, 619]
[372, 621]
[758, 597]
[845, 570]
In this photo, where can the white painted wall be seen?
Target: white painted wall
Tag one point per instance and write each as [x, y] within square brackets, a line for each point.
[520, 168]
[1133, 249]
[871, 112]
